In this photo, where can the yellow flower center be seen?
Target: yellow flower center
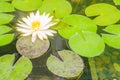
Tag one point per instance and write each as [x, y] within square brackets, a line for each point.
[36, 25]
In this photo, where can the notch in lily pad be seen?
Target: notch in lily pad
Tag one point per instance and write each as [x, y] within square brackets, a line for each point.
[76, 24]
[71, 66]
[105, 14]
[112, 39]
[87, 44]
[6, 7]
[19, 71]
[5, 38]
[5, 18]
[57, 8]
[117, 2]
[26, 5]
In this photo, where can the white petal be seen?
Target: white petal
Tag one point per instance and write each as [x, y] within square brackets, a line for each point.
[52, 31]
[26, 21]
[24, 25]
[24, 30]
[26, 34]
[31, 15]
[49, 33]
[34, 36]
[48, 26]
[42, 34]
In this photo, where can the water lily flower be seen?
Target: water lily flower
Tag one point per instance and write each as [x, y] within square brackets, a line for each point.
[37, 25]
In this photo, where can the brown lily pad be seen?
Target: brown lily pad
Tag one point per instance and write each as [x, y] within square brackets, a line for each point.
[28, 49]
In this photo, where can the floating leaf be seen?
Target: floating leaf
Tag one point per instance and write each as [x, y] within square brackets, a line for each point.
[4, 29]
[5, 18]
[58, 8]
[87, 44]
[106, 13]
[6, 7]
[5, 0]
[25, 47]
[112, 39]
[27, 5]
[6, 39]
[18, 71]
[117, 67]
[117, 2]
[71, 66]
[77, 24]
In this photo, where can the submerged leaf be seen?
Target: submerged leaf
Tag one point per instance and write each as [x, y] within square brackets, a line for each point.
[6, 7]
[58, 8]
[71, 66]
[6, 39]
[5, 18]
[117, 67]
[87, 44]
[112, 39]
[27, 5]
[25, 47]
[76, 24]
[19, 71]
[106, 13]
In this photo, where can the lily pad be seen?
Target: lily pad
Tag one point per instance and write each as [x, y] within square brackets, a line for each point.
[106, 14]
[76, 24]
[25, 47]
[58, 8]
[112, 39]
[6, 39]
[19, 71]
[5, 0]
[6, 7]
[5, 18]
[4, 29]
[71, 66]
[88, 44]
[26, 5]
[117, 2]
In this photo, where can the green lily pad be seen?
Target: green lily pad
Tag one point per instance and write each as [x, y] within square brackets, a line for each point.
[4, 29]
[5, 18]
[6, 7]
[58, 8]
[76, 24]
[26, 5]
[19, 71]
[5, 0]
[87, 44]
[6, 39]
[117, 2]
[106, 14]
[25, 47]
[71, 66]
[114, 29]
[112, 39]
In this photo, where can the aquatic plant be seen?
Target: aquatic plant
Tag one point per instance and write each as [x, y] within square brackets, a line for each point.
[33, 22]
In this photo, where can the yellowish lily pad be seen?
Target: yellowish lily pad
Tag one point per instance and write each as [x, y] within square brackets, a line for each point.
[71, 66]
